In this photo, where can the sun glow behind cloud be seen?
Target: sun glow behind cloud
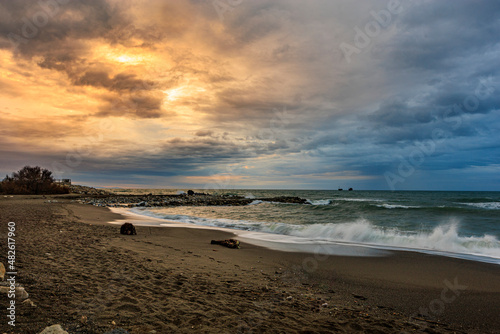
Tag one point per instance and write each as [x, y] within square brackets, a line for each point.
[174, 94]
[129, 59]
[120, 54]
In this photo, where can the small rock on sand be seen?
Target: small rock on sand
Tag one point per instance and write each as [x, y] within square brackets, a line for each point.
[30, 302]
[20, 292]
[54, 329]
[128, 229]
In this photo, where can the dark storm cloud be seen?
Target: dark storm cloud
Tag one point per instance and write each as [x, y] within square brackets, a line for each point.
[207, 149]
[120, 82]
[40, 24]
[62, 44]
[204, 133]
[399, 113]
[440, 35]
[133, 105]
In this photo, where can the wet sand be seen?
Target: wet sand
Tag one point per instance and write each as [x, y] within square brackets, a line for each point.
[81, 273]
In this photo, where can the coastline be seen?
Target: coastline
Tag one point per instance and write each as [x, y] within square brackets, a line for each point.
[173, 280]
[292, 243]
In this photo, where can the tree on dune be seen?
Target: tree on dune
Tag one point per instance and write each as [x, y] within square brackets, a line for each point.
[31, 181]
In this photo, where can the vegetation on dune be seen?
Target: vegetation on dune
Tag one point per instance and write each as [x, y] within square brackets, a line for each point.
[31, 181]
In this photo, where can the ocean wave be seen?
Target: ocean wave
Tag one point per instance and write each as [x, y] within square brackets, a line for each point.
[485, 205]
[443, 238]
[320, 202]
[397, 206]
[359, 199]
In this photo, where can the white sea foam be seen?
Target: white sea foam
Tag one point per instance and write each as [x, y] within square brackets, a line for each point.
[443, 239]
[485, 205]
[397, 206]
[320, 202]
[359, 199]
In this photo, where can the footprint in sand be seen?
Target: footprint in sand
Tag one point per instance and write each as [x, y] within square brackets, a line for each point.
[129, 308]
[129, 300]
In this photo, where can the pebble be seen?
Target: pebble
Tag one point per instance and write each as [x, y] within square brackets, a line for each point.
[30, 302]
[54, 329]
[20, 291]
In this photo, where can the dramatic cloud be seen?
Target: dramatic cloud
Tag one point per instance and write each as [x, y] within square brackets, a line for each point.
[382, 94]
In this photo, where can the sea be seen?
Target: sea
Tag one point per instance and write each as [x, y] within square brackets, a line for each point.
[457, 224]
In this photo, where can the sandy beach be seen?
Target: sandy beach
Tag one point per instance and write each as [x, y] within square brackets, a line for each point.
[82, 274]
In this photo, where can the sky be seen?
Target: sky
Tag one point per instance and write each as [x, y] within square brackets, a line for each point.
[281, 94]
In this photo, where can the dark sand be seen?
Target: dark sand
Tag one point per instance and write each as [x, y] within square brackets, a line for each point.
[81, 273]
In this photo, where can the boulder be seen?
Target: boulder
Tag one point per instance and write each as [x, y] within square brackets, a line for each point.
[190, 192]
[54, 329]
[128, 229]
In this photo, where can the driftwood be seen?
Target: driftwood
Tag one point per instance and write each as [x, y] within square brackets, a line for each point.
[231, 243]
[128, 229]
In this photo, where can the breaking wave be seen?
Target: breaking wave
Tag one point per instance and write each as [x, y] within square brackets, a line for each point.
[485, 205]
[444, 239]
[359, 199]
[320, 202]
[396, 206]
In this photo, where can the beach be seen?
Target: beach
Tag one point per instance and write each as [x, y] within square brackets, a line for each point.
[82, 274]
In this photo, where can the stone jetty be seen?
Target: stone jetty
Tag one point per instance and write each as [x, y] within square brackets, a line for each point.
[180, 200]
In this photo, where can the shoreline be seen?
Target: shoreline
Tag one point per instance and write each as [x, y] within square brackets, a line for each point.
[296, 244]
[309, 253]
[178, 282]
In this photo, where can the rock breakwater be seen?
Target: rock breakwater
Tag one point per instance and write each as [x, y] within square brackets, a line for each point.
[181, 200]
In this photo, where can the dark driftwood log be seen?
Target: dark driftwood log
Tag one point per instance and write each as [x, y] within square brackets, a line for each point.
[128, 229]
[231, 243]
